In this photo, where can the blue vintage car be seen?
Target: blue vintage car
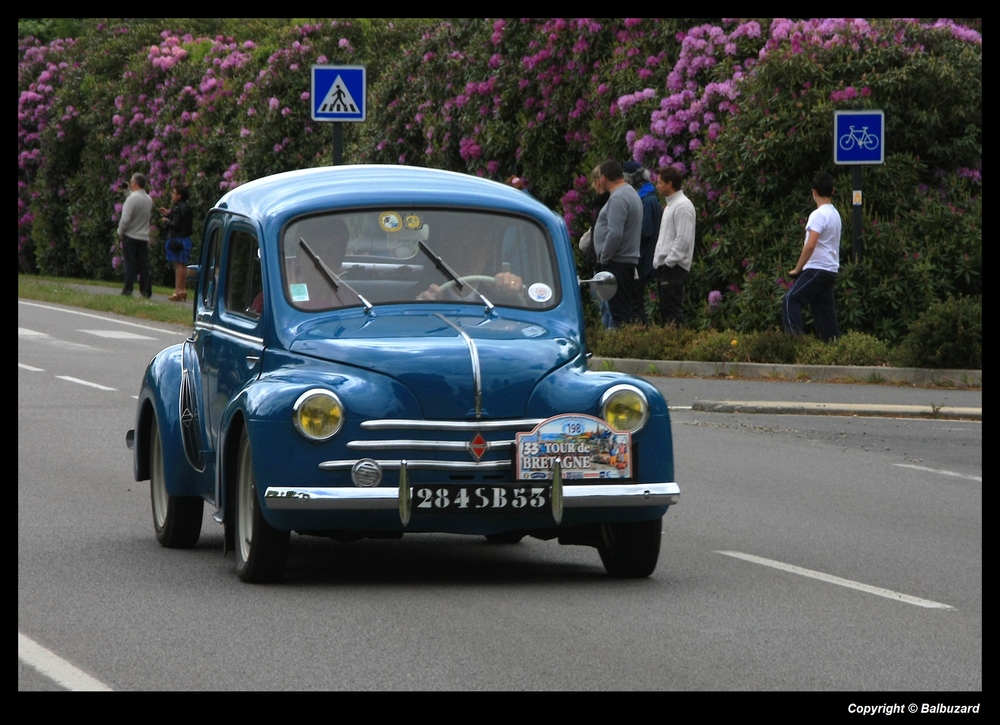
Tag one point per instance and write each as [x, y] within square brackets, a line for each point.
[380, 350]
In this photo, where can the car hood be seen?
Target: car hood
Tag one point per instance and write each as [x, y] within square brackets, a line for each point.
[437, 356]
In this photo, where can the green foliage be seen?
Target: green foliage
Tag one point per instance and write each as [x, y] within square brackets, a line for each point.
[46, 29]
[948, 334]
[716, 346]
[922, 220]
[642, 343]
[851, 348]
[771, 346]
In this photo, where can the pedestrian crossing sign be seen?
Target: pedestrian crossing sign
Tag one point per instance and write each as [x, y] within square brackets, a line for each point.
[338, 93]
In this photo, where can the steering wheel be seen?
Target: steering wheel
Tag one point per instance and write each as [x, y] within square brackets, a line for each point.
[470, 279]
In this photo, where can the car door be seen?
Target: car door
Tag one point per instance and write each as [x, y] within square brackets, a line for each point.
[233, 341]
[199, 441]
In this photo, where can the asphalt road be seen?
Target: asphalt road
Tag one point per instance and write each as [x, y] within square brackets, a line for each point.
[808, 553]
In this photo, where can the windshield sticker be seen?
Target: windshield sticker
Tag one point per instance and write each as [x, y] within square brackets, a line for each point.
[390, 221]
[533, 331]
[585, 446]
[412, 221]
[299, 292]
[540, 292]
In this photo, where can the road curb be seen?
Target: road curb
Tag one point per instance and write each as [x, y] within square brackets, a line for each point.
[851, 409]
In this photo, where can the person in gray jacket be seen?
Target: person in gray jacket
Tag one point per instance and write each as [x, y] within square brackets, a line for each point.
[133, 228]
[617, 236]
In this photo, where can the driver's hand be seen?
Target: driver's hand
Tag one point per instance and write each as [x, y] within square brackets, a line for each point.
[508, 281]
[431, 293]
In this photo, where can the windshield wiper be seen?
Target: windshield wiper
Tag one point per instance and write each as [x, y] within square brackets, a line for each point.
[451, 274]
[330, 276]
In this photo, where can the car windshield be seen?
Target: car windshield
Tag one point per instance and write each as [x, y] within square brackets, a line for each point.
[376, 257]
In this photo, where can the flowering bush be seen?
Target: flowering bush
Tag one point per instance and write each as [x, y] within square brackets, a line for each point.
[209, 111]
[925, 200]
[744, 107]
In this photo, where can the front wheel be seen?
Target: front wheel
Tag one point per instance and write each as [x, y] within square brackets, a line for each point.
[261, 550]
[630, 551]
[176, 519]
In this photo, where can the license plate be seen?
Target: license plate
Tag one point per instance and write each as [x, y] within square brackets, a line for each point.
[440, 498]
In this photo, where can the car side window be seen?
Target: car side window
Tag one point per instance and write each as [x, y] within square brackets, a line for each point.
[244, 285]
[212, 259]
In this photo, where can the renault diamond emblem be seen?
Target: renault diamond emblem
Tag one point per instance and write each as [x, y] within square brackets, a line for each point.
[478, 446]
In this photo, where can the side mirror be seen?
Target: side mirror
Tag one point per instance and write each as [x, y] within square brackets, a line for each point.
[603, 285]
[193, 272]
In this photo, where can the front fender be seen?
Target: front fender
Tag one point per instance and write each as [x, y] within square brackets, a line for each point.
[264, 408]
[574, 389]
[159, 396]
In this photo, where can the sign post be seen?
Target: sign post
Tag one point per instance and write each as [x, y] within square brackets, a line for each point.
[858, 139]
[338, 95]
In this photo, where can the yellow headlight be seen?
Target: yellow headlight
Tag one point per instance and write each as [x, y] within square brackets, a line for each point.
[625, 408]
[318, 414]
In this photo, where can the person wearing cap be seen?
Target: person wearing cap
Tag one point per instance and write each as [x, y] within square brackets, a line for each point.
[674, 246]
[638, 177]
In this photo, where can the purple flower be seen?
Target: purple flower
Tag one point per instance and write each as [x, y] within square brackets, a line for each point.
[714, 298]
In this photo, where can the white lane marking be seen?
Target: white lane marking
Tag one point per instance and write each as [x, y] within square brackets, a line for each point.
[102, 319]
[83, 382]
[31, 368]
[35, 336]
[118, 334]
[887, 593]
[55, 668]
[968, 476]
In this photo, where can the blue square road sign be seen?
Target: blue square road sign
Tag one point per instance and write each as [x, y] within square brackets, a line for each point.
[338, 93]
[858, 137]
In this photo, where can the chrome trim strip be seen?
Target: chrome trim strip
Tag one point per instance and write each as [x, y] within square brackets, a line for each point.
[347, 498]
[229, 333]
[394, 465]
[405, 497]
[556, 494]
[477, 376]
[525, 424]
[414, 444]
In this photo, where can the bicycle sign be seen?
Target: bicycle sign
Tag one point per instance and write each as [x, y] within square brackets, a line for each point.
[858, 137]
[862, 138]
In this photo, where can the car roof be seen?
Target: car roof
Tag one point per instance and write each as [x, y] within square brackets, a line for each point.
[272, 200]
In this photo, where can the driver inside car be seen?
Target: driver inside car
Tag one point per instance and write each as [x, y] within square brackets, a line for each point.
[473, 252]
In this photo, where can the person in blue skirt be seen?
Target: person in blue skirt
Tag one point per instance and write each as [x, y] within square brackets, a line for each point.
[179, 225]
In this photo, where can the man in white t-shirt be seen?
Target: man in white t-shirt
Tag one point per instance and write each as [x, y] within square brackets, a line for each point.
[816, 271]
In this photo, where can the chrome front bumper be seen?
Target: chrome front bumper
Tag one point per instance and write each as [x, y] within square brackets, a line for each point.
[346, 498]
